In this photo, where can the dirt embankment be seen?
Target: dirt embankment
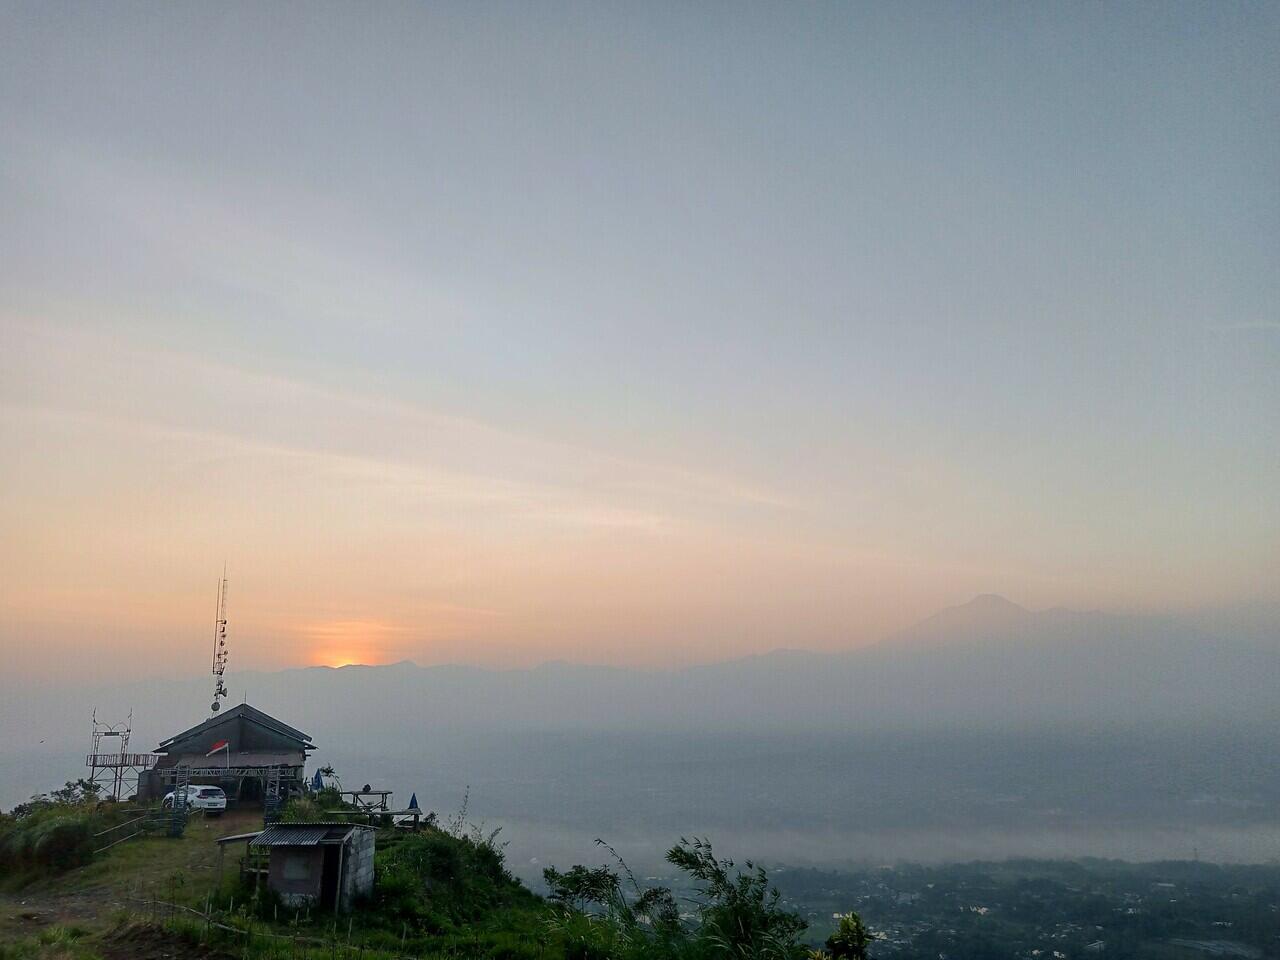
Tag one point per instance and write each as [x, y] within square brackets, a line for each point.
[140, 941]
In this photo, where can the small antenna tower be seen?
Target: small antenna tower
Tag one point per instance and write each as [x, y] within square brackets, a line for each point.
[115, 772]
[220, 645]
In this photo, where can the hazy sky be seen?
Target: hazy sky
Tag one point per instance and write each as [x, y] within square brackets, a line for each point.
[633, 333]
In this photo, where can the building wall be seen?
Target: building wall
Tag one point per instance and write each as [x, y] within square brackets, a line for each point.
[357, 869]
[153, 784]
[149, 786]
[295, 874]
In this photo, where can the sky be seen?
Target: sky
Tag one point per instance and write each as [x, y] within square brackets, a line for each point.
[638, 334]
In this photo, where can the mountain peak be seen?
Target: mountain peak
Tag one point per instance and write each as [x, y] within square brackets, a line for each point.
[992, 601]
[987, 614]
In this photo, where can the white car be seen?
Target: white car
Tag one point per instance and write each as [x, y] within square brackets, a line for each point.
[199, 797]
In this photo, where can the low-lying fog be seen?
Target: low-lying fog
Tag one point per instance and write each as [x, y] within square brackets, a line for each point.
[988, 731]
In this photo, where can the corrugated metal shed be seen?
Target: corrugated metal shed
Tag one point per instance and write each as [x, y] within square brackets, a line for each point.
[302, 834]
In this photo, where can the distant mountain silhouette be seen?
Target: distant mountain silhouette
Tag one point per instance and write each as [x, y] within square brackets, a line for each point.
[987, 615]
[1079, 717]
[987, 664]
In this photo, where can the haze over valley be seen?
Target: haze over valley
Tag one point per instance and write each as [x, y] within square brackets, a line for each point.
[846, 433]
[985, 730]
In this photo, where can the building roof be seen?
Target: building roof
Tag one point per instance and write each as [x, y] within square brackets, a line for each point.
[304, 834]
[238, 836]
[249, 713]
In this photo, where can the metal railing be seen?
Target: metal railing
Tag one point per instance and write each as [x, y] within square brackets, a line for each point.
[130, 829]
[121, 759]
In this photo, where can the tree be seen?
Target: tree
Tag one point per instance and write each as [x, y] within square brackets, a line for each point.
[739, 915]
[72, 793]
[851, 939]
[739, 911]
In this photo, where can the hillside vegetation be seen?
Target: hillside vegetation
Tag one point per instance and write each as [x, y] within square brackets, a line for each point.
[441, 891]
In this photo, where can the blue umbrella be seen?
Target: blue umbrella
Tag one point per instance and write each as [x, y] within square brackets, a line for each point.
[413, 802]
[317, 783]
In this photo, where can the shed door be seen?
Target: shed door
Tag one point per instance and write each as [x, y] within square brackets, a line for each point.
[329, 877]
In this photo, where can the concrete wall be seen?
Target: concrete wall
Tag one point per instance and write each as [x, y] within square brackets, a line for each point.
[357, 869]
[295, 874]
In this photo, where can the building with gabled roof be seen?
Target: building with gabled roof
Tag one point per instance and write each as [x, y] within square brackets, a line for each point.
[242, 751]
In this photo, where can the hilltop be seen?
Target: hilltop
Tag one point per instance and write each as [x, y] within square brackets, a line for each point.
[437, 891]
[141, 894]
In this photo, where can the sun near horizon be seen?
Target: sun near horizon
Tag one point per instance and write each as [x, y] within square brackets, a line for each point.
[460, 352]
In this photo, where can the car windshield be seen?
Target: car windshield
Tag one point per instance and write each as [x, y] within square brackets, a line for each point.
[210, 792]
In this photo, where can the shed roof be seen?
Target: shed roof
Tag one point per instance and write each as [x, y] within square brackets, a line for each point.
[238, 836]
[252, 714]
[304, 834]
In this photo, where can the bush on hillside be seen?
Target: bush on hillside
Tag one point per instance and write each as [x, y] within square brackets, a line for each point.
[435, 876]
[329, 798]
[52, 831]
[301, 810]
[849, 941]
[738, 914]
[55, 838]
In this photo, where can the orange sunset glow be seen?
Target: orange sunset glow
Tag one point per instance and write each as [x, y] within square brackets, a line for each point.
[463, 463]
[341, 643]
[507, 373]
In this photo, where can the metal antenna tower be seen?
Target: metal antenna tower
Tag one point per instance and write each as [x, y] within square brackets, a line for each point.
[220, 645]
[116, 771]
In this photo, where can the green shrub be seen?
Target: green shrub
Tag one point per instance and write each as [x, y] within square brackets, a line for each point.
[738, 914]
[301, 810]
[54, 838]
[62, 842]
[439, 880]
[54, 832]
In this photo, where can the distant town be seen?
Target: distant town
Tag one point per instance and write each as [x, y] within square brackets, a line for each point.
[1050, 910]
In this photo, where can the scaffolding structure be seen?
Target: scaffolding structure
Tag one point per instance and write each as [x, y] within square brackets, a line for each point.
[115, 772]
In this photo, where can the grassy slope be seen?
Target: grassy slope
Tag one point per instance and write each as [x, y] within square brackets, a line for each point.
[81, 914]
[74, 910]
[144, 865]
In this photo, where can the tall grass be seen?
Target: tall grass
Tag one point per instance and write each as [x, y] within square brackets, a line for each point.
[56, 838]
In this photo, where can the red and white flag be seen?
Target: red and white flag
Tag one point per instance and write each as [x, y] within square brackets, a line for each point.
[220, 745]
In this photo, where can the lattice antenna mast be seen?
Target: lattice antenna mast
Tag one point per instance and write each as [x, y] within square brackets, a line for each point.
[111, 766]
[220, 645]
